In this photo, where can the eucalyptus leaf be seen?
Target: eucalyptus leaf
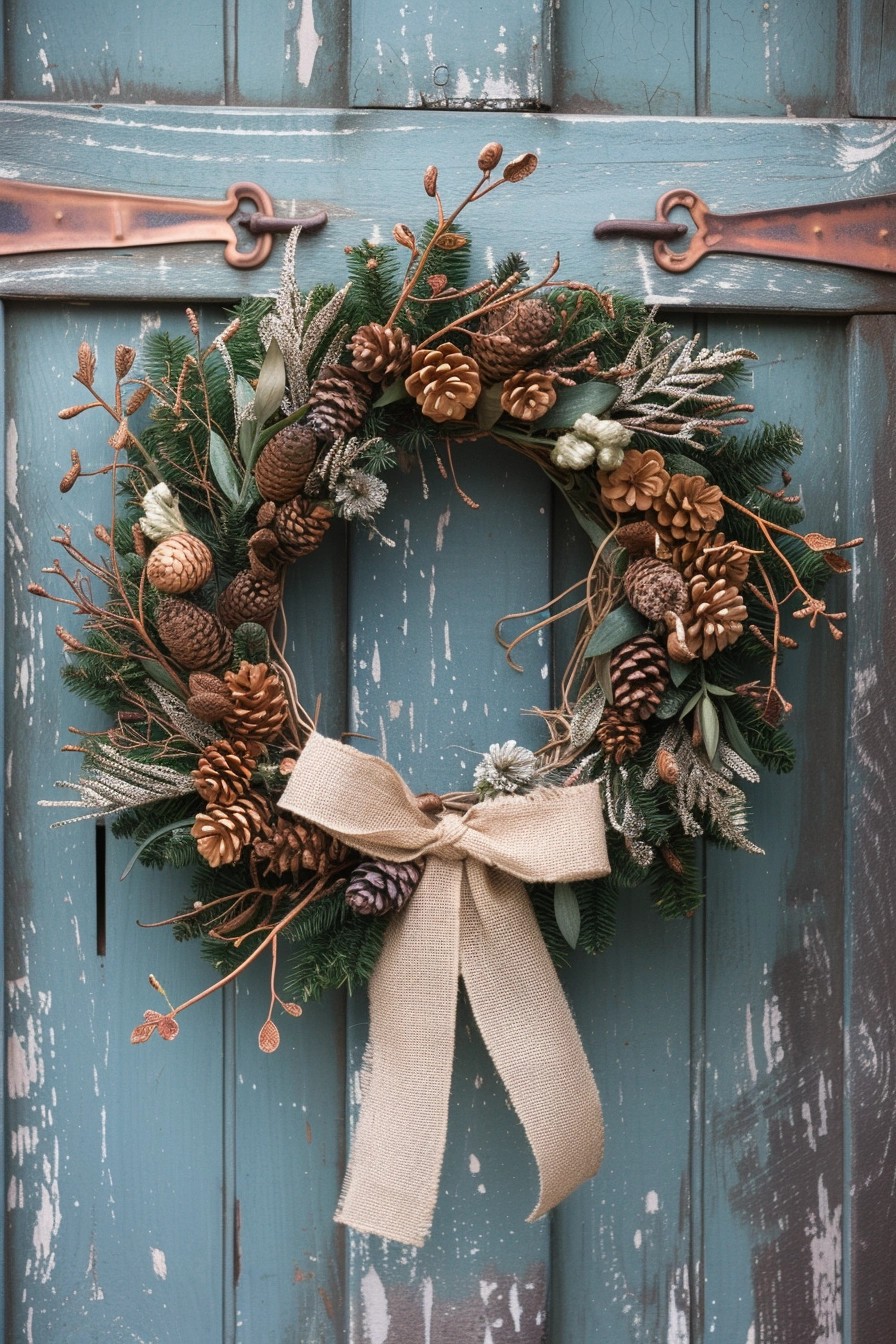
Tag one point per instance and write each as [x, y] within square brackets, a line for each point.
[671, 703]
[262, 436]
[586, 716]
[621, 624]
[488, 407]
[678, 464]
[601, 666]
[736, 738]
[709, 727]
[246, 441]
[394, 392]
[223, 467]
[245, 394]
[182, 825]
[718, 690]
[271, 385]
[567, 912]
[585, 398]
[679, 672]
[161, 674]
[692, 702]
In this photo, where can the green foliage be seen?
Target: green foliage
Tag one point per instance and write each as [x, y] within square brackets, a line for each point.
[513, 264]
[375, 273]
[331, 946]
[741, 465]
[598, 900]
[541, 895]
[676, 894]
[422, 319]
[250, 643]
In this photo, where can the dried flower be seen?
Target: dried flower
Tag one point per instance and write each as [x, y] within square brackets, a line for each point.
[505, 768]
[124, 360]
[161, 514]
[523, 165]
[359, 496]
[572, 453]
[603, 433]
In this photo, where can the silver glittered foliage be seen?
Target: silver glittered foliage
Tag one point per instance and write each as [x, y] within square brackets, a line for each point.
[111, 781]
[710, 790]
[359, 496]
[505, 768]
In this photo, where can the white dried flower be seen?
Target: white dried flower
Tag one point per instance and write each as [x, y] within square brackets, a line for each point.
[505, 768]
[608, 459]
[162, 517]
[360, 496]
[572, 452]
[602, 433]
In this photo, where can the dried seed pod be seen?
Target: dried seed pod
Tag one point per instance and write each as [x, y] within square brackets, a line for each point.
[489, 156]
[523, 165]
[667, 766]
[430, 178]
[124, 360]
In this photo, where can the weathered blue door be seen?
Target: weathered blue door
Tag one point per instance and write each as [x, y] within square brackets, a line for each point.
[184, 1196]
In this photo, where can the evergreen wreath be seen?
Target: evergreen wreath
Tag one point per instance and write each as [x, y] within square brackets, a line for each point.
[293, 416]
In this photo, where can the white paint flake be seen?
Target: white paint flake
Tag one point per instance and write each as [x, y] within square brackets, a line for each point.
[475, 1165]
[441, 525]
[46, 78]
[515, 1307]
[376, 670]
[427, 1310]
[678, 1330]
[825, 1248]
[308, 43]
[12, 463]
[651, 1202]
[447, 644]
[159, 1263]
[751, 1053]
[375, 1307]
[771, 1033]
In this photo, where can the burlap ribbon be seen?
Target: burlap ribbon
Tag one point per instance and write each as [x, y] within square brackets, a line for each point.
[470, 916]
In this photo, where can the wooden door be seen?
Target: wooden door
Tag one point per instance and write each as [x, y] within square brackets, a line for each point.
[744, 1057]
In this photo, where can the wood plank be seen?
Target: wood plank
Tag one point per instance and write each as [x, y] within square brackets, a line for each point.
[871, 1009]
[872, 58]
[4, 1062]
[476, 58]
[781, 59]
[774, 1187]
[634, 61]
[292, 55]
[310, 158]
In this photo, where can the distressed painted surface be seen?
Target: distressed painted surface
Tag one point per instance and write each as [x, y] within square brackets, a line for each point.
[872, 51]
[292, 53]
[590, 171]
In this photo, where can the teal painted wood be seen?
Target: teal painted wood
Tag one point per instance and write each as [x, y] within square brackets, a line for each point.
[292, 55]
[633, 60]
[869, 1242]
[3, 1064]
[872, 58]
[784, 58]
[476, 57]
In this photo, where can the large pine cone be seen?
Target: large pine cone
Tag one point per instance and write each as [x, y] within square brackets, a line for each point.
[639, 480]
[444, 382]
[299, 525]
[258, 708]
[511, 337]
[689, 507]
[380, 352]
[179, 564]
[378, 887]
[639, 674]
[528, 394]
[619, 733]
[285, 462]
[339, 399]
[296, 846]
[222, 833]
[653, 587]
[714, 618]
[223, 772]
[194, 637]
[254, 595]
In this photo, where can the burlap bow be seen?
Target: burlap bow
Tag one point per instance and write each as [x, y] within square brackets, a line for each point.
[470, 916]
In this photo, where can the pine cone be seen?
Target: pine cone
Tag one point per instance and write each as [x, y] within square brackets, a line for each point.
[714, 618]
[639, 674]
[254, 595]
[511, 337]
[223, 772]
[285, 463]
[689, 506]
[294, 846]
[638, 538]
[179, 564]
[722, 559]
[380, 352]
[637, 483]
[528, 394]
[339, 399]
[653, 587]
[444, 382]
[222, 833]
[619, 735]
[209, 697]
[300, 525]
[378, 887]
[194, 637]
[258, 708]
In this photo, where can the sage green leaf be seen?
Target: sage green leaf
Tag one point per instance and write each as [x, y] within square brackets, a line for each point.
[718, 690]
[488, 407]
[623, 623]
[678, 464]
[671, 703]
[586, 716]
[709, 727]
[601, 666]
[161, 674]
[567, 912]
[679, 672]
[223, 467]
[245, 394]
[183, 825]
[737, 740]
[692, 702]
[585, 398]
[271, 385]
[246, 441]
[394, 392]
[262, 436]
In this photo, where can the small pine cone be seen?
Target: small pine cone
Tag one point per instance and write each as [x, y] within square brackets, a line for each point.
[689, 507]
[296, 846]
[285, 462]
[222, 833]
[619, 735]
[380, 352]
[511, 337]
[528, 394]
[639, 674]
[722, 559]
[444, 382]
[653, 587]
[714, 618]
[300, 525]
[636, 483]
[258, 708]
[638, 538]
[194, 637]
[340, 396]
[209, 697]
[179, 564]
[254, 595]
[223, 772]
[378, 887]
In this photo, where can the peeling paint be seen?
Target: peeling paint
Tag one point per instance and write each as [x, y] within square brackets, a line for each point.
[308, 43]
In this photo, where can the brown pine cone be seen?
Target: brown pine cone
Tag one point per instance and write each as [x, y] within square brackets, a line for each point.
[639, 674]
[528, 394]
[444, 382]
[653, 587]
[254, 595]
[619, 735]
[714, 618]
[689, 506]
[637, 483]
[380, 352]
[300, 525]
[194, 637]
[209, 697]
[179, 564]
[223, 772]
[222, 833]
[722, 559]
[340, 396]
[511, 337]
[258, 708]
[296, 846]
[639, 538]
[378, 887]
[285, 462]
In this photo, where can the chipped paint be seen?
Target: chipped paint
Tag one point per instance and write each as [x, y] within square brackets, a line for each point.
[308, 43]
[375, 1307]
[159, 1263]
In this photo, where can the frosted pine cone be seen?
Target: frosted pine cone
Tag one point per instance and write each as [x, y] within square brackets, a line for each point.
[378, 887]
[505, 768]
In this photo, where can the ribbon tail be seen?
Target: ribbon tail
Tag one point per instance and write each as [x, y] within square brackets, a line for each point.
[392, 1180]
[528, 1027]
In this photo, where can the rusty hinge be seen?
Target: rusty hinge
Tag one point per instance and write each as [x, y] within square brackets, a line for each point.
[859, 233]
[39, 218]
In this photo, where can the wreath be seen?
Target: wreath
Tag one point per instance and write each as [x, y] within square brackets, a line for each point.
[230, 462]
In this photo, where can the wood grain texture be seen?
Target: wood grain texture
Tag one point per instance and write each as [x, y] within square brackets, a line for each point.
[872, 58]
[631, 60]
[308, 159]
[871, 1008]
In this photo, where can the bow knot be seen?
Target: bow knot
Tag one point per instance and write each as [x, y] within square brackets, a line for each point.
[448, 842]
